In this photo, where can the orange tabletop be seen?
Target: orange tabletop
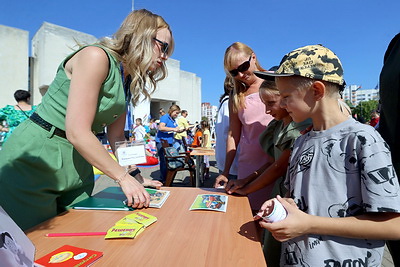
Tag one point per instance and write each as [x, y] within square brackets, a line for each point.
[179, 238]
[200, 152]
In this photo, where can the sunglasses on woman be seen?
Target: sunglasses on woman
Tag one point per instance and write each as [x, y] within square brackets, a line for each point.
[242, 68]
[164, 46]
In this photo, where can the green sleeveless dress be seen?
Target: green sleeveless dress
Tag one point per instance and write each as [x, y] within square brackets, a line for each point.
[41, 173]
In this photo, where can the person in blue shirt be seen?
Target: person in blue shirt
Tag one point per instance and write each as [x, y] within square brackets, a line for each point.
[167, 128]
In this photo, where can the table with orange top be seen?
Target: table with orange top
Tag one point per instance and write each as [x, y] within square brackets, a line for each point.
[179, 237]
[200, 152]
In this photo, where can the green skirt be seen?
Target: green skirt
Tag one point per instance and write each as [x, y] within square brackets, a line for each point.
[41, 174]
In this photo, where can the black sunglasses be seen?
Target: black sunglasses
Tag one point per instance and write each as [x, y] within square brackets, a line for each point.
[164, 46]
[242, 68]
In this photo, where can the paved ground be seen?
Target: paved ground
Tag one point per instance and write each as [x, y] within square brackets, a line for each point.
[182, 179]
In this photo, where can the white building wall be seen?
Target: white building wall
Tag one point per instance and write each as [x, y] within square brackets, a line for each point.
[14, 66]
[142, 110]
[50, 45]
[190, 96]
[168, 89]
[180, 87]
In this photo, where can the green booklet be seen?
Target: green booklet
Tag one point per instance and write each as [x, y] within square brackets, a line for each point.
[110, 198]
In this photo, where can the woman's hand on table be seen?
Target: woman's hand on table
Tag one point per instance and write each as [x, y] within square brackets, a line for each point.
[135, 193]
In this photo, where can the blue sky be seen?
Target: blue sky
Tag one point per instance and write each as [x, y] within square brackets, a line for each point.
[358, 31]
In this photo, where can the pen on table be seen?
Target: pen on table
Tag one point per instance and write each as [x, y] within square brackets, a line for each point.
[75, 234]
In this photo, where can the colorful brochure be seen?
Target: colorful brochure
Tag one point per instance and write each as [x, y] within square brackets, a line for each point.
[210, 202]
[157, 197]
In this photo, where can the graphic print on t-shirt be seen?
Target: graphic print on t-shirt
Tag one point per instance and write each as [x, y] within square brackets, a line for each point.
[346, 209]
[340, 172]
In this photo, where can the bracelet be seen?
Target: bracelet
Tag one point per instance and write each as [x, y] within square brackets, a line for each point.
[119, 180]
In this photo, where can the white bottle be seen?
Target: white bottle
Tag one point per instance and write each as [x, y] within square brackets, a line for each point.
[275, 213]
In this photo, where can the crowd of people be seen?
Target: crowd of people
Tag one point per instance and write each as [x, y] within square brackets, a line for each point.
[282, 134]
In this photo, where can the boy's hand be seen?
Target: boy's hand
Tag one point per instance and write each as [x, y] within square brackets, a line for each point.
[296, 223]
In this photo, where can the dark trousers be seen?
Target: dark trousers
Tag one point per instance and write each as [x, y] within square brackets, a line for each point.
[394, 248]
[161, 158]
[127, 135]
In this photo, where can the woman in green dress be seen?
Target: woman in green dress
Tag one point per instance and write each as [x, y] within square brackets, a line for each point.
[12, 115]
[46, 165]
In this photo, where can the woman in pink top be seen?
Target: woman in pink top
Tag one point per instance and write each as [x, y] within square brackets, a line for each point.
[247, 119]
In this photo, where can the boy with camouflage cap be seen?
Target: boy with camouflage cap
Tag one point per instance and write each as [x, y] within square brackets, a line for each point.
[344, 194]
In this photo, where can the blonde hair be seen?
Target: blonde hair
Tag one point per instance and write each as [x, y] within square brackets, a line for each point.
[231, 54]
[332, 89]
[268, 87]
[133, 44]
[302, 83]
[173, 108]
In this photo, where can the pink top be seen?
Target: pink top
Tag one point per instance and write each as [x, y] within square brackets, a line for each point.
[251, 155]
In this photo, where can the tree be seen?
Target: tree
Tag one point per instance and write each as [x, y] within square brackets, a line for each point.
[365, 108]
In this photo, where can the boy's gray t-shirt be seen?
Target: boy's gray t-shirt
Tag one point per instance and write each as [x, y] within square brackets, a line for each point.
[340, 172]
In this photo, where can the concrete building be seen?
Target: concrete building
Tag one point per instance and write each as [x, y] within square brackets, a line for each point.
[355, 94]
[52, 43]
[14, 63]
[206, 110]
[210, 112]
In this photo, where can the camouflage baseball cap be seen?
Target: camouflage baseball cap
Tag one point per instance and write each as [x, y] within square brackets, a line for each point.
[311, 61]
